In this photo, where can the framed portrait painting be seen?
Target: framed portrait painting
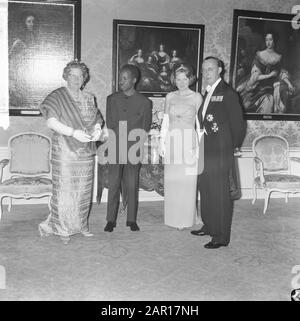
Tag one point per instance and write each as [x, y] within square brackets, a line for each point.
[265, 64]
[157, 49]
[43, 36]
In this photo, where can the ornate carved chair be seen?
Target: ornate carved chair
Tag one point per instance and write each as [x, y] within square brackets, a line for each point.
[29, 168]
[271, 167]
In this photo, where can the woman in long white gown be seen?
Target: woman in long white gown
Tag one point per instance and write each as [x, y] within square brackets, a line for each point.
[179, 147]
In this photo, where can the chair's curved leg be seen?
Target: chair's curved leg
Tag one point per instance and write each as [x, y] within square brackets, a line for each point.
[254, 193]
[1, 197]
[49, 202]
[9, 204]
[267, 198]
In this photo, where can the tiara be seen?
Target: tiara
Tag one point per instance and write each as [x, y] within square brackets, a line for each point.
[181, 67]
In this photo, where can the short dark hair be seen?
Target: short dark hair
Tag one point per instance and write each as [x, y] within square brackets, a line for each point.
[134, 70]
[220, 63]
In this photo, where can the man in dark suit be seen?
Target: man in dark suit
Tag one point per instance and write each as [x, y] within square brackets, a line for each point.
[221, 117]
[128, 119]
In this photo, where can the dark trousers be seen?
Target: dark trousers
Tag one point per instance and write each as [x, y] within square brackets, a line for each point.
[128, 176]
[216, 204]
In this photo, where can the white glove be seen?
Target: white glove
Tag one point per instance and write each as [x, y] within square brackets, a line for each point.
[195, 152]
[81, 136]
[96, 133]
[163, 133]
[162, 148]
[104, 136]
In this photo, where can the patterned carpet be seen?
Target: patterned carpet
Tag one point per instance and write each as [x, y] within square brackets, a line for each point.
[157, 263]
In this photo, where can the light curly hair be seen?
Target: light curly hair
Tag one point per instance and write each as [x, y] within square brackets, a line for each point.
[79, 65]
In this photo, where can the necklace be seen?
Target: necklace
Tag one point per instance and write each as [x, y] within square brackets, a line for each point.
[184, 93]
[79, 100]
[75, 95]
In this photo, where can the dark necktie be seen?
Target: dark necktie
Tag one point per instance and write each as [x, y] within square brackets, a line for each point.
[200, 110]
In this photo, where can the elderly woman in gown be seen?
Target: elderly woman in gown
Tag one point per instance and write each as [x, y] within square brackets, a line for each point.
[76, 123]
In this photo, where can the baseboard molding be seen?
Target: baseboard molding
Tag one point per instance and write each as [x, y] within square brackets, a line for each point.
[147, 197]
[244, 164]
[247, 193]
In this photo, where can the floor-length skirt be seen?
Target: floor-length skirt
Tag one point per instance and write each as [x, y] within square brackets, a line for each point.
[180, 184]
[72, 192]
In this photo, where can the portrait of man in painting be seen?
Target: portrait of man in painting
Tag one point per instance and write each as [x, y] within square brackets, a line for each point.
[40, 42]
[266, 66]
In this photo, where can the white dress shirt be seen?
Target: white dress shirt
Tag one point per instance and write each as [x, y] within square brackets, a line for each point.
[210, 91]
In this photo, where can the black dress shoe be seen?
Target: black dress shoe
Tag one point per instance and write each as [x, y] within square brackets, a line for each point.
[198, 232]
[109, 227]
[133, 226]
[214, 245]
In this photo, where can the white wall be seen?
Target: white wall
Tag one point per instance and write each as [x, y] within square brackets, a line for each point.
[216, 15]
[244, 163]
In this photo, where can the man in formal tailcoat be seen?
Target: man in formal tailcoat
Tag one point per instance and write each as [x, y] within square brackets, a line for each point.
[221, 118]
[128, 119]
